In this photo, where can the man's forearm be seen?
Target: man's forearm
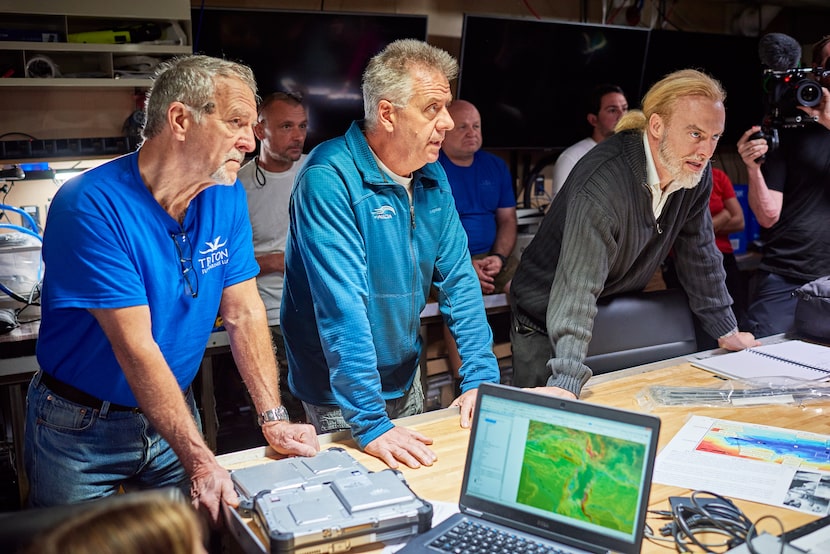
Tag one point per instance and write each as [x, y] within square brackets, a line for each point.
[273, 262]
[765, 203]
[504, 244]
[254, 356]
[725, 222]
[153, 383]
[719, 221]
[163, 404]
[505, 234]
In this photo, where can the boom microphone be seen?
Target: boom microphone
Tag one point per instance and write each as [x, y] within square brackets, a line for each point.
[779, 52]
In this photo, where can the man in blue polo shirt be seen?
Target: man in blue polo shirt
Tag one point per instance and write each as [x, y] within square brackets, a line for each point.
[141, 254]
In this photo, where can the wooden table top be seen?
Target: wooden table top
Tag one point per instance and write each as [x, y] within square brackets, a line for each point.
[620, 389]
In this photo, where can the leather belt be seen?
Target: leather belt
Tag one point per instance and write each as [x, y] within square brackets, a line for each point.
[80, 397]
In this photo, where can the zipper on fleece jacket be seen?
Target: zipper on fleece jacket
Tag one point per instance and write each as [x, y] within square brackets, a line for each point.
[413, 259]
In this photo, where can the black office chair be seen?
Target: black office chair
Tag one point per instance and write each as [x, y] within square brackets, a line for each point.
[640, 328]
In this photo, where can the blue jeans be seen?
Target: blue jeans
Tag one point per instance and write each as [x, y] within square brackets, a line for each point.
[327, 419]
[771, 307]
[74, 453]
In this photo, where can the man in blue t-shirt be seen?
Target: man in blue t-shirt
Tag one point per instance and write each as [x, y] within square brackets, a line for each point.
[483, 191]
[141, 254]
[484, 197]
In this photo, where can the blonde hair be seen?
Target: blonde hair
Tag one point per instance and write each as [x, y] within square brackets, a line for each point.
[135, 523]
[663, 95]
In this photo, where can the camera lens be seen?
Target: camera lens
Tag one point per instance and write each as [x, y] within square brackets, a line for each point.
[808, 93]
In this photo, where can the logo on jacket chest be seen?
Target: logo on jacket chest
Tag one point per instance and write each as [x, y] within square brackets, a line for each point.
[384, 212]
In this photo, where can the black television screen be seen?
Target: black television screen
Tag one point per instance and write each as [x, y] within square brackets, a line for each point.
[733, 60]
[529, 78]
[320, 54]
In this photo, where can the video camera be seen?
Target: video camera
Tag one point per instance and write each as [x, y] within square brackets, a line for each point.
[787, 87]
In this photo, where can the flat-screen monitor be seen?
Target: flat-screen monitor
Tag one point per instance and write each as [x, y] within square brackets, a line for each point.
[530, 78]
[733, 60]
[320, 54]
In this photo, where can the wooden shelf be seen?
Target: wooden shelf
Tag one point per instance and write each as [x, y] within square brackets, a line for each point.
[61, 82]
[138, 48]
[39, 48]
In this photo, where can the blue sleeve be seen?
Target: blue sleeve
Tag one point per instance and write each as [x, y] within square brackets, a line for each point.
[334, 256]
[507, 196]
[93, 261]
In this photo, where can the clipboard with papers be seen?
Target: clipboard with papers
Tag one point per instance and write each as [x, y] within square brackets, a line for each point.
[795, 359]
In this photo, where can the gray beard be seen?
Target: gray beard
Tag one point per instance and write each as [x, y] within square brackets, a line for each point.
[222, 177]
[675, 168]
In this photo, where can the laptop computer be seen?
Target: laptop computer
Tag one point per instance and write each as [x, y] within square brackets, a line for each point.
[569, 475]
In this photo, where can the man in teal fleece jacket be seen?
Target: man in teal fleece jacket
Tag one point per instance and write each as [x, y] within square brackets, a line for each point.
[373, 225]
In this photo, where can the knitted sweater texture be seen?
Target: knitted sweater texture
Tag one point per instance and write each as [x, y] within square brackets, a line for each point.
[601, 238]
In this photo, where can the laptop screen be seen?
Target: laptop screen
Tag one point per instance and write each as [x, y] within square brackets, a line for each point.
[569, 468]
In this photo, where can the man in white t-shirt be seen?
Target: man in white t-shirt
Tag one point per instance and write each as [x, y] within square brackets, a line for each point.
[281, 128]
[607, 104]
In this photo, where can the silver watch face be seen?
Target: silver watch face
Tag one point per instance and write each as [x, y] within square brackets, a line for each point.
[274, 414]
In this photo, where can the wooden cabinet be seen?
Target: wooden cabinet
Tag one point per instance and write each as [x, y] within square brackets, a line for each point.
[94, 86]
[89, 43]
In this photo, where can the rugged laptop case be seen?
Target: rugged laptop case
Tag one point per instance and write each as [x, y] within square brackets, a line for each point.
[329, 503]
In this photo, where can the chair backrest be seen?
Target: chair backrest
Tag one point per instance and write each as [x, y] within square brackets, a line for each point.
[639, 328]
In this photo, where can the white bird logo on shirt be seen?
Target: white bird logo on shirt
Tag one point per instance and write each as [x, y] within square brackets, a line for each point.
[213, 246]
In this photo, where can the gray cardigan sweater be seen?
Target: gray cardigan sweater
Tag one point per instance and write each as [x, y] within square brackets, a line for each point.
[601, 238]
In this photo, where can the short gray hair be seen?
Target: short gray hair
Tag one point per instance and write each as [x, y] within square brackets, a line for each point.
[190, 80]
[388, 77]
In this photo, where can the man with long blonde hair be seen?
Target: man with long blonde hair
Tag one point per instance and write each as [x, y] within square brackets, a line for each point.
[625, 204]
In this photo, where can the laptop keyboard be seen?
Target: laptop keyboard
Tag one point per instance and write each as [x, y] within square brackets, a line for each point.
[474, 537]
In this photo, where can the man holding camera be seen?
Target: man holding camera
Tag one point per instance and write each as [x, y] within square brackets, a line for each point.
[789, 193]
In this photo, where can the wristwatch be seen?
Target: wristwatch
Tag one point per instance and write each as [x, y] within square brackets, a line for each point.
[502, 257]
[274, 414]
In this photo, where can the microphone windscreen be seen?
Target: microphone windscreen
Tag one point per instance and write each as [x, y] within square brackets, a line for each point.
[779, 52]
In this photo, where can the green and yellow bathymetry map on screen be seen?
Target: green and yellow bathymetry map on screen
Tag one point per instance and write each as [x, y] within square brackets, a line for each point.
[586, 476]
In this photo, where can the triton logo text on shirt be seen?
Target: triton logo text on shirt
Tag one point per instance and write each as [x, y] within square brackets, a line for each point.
[384, 212]
[214, 256]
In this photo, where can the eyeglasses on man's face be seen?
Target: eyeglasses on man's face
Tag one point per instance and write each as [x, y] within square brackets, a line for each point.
[183, 248]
